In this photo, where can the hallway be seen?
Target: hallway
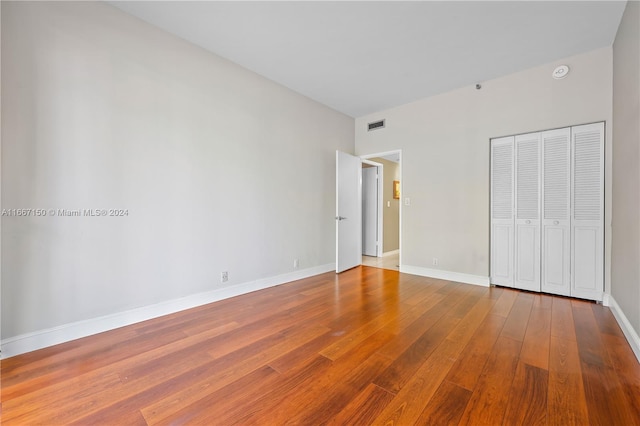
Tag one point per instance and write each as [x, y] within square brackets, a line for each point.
[391, 261]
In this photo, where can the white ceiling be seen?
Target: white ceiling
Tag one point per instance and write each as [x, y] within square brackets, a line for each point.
[365, 56]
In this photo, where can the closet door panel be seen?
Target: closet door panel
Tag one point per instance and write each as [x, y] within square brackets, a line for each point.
[587, 224]
[527, 210]
[556, 263]
[502, 255]
[587, 258]
[556, 212]
[502, 192]
[526, 266]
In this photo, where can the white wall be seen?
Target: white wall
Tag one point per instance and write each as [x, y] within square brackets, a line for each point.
[625, 263]
[219, 168]
[445, 150]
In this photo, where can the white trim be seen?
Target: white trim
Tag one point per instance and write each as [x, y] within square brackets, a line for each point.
[390, 253]
[623, 322]
[64, 333]
[446, 275]
[382, 154]
[381, 210]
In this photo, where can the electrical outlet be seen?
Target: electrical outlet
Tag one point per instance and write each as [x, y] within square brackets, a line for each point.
[435, 261]
[296, 263]
[224, 276]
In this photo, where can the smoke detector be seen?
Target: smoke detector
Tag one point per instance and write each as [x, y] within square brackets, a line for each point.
[560, 72]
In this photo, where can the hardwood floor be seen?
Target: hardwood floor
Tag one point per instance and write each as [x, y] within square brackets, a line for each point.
[390, 261]
[368, 346]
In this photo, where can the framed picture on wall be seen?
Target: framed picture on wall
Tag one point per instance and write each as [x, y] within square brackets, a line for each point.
[396, 189]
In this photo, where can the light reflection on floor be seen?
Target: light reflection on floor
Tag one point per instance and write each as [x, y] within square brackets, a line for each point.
[386, 262]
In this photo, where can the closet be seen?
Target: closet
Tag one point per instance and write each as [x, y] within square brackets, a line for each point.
[547, 211]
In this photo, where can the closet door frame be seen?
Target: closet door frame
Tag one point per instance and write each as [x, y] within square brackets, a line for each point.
[570, 249]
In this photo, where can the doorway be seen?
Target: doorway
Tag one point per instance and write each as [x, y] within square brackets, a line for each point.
[388, 166]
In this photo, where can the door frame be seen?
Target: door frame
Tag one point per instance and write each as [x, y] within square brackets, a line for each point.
[383, 154]
[380, 212]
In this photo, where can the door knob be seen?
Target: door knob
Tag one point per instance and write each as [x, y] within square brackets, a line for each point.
[340, 218]
[528, 222]
[555, 222]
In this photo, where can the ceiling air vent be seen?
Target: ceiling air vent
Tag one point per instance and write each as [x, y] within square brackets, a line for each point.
[375, 125]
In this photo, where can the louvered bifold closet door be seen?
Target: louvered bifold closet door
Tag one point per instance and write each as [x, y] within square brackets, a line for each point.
[527, 212]
[502, 211]
[556, 211]
[587, 208]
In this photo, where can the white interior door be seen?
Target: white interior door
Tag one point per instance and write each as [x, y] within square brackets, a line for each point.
[556, 219]
[527, 210]
[370, 211]
[348, 211]
[587, 224]
[502, 211]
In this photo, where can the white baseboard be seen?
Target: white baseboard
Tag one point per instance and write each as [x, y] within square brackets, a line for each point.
[64, 333]
[446, 275]
[625, 325]
[390, 253]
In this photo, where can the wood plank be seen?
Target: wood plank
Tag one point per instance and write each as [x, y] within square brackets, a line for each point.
[285, 406]
[505, 302]
[606, 400]
[258, 406]
[424, 293]
[467, 369]
[562, 319]
[355, 338]
[527, 403]
[214, 404]
[403, 367]
[607, 323]
[333, 397]
[133, 418]
[488, 401]
[518, 318]
[51, 357]
[24, 379]
[365, 407]
[535, 346]
[446, 406]
[495, 292]
[399, 324]
[417, 328]
[412, 399]
[566, 403]
[225, 371]
[52, 404]
[299, 356]
[166, 376]
[626, 366]
[471, 320]
[409, 403]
